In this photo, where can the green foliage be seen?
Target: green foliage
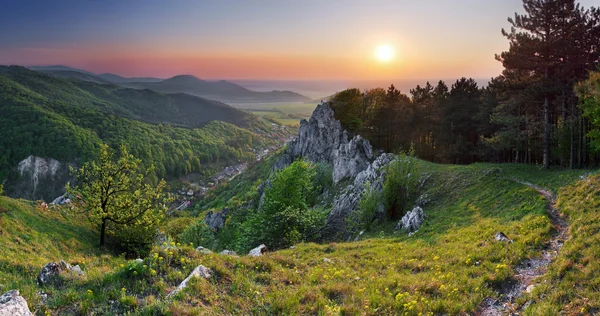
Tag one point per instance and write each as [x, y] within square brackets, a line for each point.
[285, 217]
[589, 94]
[400, 186]
[198, 234]
[68, 120]
[114, 195]
[364, 217]
[1, 189]
[175, 226]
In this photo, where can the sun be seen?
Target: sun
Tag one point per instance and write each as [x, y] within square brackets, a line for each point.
[384, 53]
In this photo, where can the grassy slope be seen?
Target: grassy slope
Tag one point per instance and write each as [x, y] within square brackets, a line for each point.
[433, 271]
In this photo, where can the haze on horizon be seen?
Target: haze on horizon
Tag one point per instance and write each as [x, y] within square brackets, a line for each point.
[266, 40]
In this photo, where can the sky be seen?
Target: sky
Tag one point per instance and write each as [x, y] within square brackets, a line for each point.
[261, 39]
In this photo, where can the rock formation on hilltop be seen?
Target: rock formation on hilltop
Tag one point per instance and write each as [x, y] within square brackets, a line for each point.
[322, 139]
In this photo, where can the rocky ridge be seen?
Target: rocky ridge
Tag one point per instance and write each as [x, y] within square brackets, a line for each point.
[322, 139]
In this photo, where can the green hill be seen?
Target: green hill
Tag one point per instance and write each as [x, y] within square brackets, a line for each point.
[449, 266]
[67, 119]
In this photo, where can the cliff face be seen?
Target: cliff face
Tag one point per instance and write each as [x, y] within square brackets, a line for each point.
[37, 178]
[322, 139]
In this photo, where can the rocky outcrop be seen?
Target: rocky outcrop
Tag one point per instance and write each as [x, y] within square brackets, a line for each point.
[258, 251]
[13, 304]
[200, 272]
[50, 273]
[322, 139]
[216, 220]
[347, 201]
[412, 220]
[37, 178]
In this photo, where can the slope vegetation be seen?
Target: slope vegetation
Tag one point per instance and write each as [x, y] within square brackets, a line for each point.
[66, 120]
[449, 266]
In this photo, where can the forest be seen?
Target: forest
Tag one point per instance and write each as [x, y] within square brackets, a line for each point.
[537, 111]
[52, 117]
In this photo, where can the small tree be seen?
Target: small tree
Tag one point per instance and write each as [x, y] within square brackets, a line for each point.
[111, 190]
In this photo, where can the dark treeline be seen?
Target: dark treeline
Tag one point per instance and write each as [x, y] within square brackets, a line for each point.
[529, 114]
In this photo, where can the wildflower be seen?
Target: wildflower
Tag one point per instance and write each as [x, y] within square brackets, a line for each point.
[123, 289]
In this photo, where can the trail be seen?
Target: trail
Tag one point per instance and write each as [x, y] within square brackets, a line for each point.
[529, 270]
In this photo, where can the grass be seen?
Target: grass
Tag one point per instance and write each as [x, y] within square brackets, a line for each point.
[447, 267]
[288, 114]
[572, 284]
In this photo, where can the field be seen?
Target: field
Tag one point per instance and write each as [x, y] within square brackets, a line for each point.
[448, 267]
[283, 113]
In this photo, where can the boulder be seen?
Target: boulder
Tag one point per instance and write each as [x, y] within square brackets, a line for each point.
[203, 250]
[500, 236]
[228, 252]
[258, 251]
[49, 273]
[199, 272]
[412, 220]
[13, 304]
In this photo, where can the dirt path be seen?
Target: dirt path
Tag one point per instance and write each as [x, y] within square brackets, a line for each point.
[527, 272]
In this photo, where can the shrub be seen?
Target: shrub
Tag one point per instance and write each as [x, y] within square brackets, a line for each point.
[364, 217]
[400, 186]
[285, 217]
[176, 226]
[198, 234]
[134, 240]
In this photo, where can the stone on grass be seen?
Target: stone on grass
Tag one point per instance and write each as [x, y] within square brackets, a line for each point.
[258, 251]
[200, 272]
[13, 304]
[500, 236]
[49, 273]
[203, 250]
[412, 220]
[228, 252]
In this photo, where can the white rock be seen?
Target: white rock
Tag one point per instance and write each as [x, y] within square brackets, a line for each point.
[228, 252]
[13, 304]
[203, 250]
[412, 220]
[200, 272]
[258, 251]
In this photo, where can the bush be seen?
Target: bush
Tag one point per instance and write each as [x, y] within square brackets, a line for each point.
[285, 217]
[176, 226]
[198, 234]
[400, 186]
[1, 189]
[364, 217]
[134, 240]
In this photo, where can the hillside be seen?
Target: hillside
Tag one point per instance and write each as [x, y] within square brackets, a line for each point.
[450, 266]
[67, 120]
[144, 105]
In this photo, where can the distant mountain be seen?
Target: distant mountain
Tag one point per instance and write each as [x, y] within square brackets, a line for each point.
[118, 79]
[221, 90]
[71, 74]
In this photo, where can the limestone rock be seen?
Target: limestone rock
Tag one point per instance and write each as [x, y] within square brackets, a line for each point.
[322, 139]
[203, 250]
[347, 201]
[13, 304]
[258, 251]
[49, 273]
[228, 252]
[199, 272]
[412, 220]
[36, 178]
[500, 236]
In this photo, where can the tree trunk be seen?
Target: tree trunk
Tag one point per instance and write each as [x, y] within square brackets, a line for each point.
[102, 232]
[546, 159]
